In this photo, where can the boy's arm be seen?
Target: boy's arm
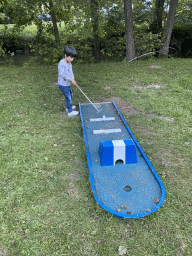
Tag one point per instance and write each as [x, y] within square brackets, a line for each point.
[72, 78]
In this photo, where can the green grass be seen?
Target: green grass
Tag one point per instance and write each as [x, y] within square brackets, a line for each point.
[46, 203]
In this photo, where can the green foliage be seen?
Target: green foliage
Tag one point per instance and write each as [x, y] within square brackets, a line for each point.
[112, 31]
[142, 11]
[79, 33]
[183, 16]
[2, 52]
[21, 13]
[46, 49]
[182, 31]
[63, 11]
[113, 48]
[4, 19]
[114, 23]
[146, 42]
[84, 47]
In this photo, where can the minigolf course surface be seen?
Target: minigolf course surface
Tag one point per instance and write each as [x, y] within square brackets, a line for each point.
[122, 178]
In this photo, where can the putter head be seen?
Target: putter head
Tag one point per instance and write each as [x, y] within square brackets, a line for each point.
[99, 110]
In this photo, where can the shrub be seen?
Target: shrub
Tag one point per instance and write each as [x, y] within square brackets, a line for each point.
[84, 47]
[181, 39]
[11, 42]
[146, 42]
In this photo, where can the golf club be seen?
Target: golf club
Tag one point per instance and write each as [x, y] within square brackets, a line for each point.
[98, 110]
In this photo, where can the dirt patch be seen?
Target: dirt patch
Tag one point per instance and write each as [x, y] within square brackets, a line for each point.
[150, 86]
[167, 159]
[5, 252]
[166, 118]
[126, 108]
[74, 176]
[64, 113]
[73, 191]
[123, 106]
[54, 84]
[106, 87]
[153, 66]
[145, 130]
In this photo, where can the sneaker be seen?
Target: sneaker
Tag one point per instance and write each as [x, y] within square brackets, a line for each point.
[73, 113]
[73, 107]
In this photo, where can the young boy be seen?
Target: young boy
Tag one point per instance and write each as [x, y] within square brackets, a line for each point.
[66, 77]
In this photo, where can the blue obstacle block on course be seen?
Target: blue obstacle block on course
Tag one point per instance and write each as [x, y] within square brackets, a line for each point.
[111, 152]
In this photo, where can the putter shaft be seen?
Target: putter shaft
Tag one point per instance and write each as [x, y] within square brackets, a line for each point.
[88, 99]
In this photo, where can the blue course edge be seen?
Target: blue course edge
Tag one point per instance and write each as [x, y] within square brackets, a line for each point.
[116, 214]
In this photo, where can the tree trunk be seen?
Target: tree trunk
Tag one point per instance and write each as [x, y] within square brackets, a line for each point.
[129, 33]
[38, 23]
[95, 22]
[168, 29]
[156, 25]
[54, 21]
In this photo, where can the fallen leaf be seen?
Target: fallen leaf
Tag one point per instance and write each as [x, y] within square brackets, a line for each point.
[156, 200]
[124, 207]
[122, 250]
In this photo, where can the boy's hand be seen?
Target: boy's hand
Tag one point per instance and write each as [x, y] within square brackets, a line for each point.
[73, 81]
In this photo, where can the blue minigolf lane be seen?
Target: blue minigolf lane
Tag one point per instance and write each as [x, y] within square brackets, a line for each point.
[146, 193]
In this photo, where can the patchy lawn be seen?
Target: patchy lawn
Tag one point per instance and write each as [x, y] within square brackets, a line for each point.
[46, 203]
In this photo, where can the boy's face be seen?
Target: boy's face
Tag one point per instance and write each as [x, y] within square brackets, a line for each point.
[68, 58]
